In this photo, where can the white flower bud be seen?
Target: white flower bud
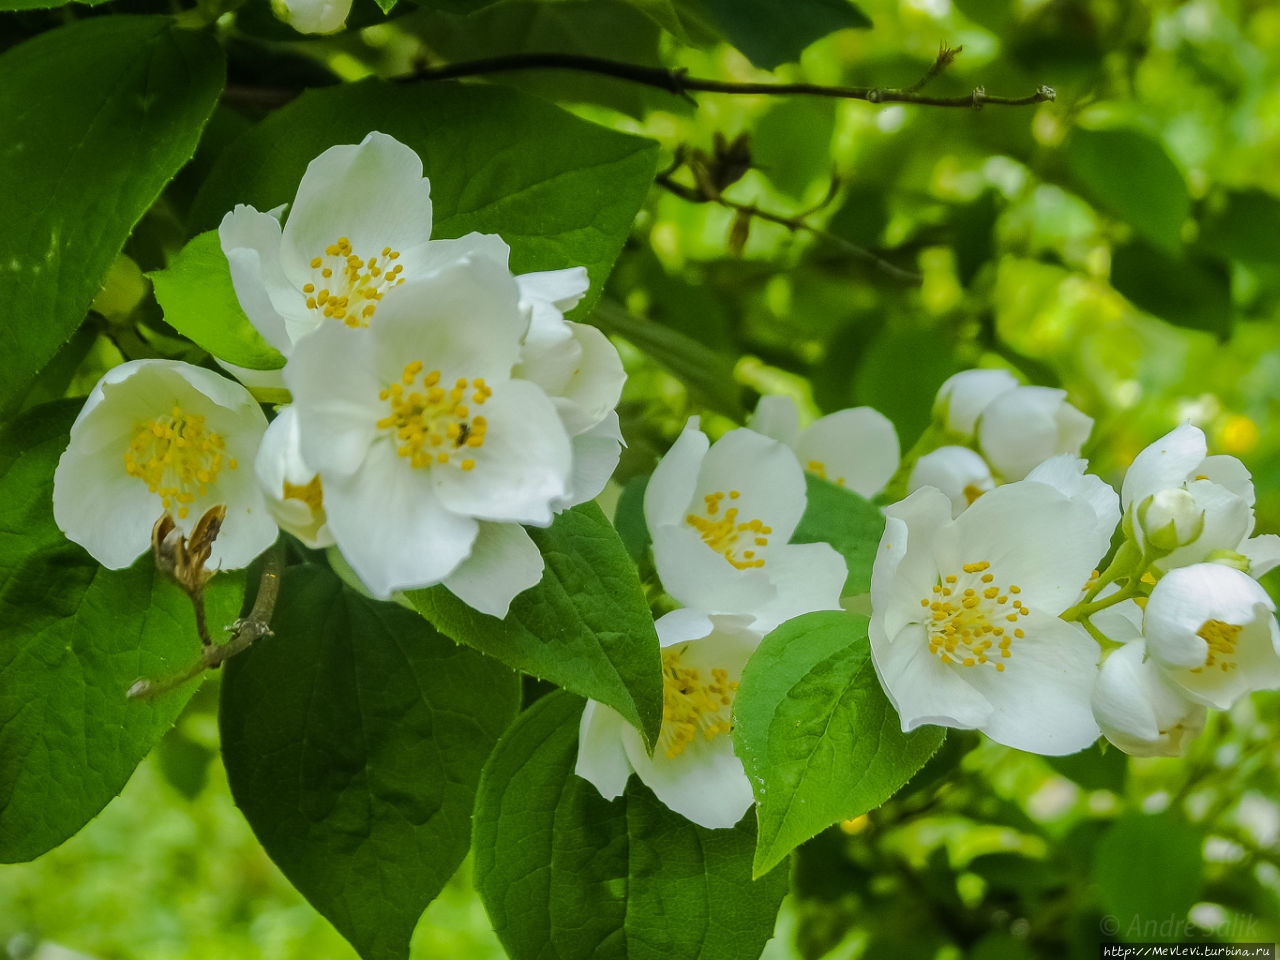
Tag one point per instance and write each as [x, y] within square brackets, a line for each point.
[1170, 518]
[957, 471]
[1139, 710]
[962, 397]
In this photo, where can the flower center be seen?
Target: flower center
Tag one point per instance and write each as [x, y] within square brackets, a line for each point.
[432, 424]
[347, 286]
[728, 537]
[819, 469]
[971, 618]
[1221, 638]
[692, 704]
[309, 493]
[177, 458]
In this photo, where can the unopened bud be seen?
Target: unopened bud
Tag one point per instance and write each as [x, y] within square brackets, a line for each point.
[1171, 518]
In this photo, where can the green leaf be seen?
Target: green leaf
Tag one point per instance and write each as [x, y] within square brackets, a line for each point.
[100, 115]
[848, 522]
[353, 740]
[199, 302]
[819, 740]
[771, 33]
[878, 382]
[1187, 290]
[565, 873]
[1131, 176]
[1095, 768]
[74, 638]
[1247, 228]
[561, 191]
[585, 627]
[1147, 868]
[42, 4]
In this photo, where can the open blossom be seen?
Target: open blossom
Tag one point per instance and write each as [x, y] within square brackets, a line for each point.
[1139, 709]
[693, 768]
[958, 472]
[313, 16]
[855, 448]
[430, 452]
[1180, 500]
[720, 517]
[1213, 630]
[159, 436]
[966, 629]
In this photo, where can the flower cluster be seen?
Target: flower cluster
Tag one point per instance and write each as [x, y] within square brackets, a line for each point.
[438, 402]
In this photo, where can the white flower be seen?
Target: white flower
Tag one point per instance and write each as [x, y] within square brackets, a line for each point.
[966, 630]
[313, 16]
[425, 443]
[720, 519]
[159, 436]
[358, 229]
[293, 491]
[1209, 501]
[1213, 630]
[855, 448]
[1025, 426]
[693, 769]
[963, 396]
[957, 471]
[1139, 710]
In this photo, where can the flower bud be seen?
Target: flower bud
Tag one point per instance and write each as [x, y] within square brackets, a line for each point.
[957, 471]
[962, 397]
[1170, 518]
[1139, 710]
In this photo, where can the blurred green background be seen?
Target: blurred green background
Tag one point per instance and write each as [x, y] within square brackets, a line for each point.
[1122, 242]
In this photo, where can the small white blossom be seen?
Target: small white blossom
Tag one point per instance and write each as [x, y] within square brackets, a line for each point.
[693, 768]
[966, 629]
[855, 448]
[1022, 428]
[1213, 630]
[963, 397]
[313, 16]
[958, 472]
[159, 436]
[293, 490]
[425, 442]
[720, 517]
[1139, 709]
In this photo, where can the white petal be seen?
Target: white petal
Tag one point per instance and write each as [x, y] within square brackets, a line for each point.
[670, 488]
[705, 784]
[697, 576]
[807, 577]
[957, 471]
[392, 528]
[858, 449]
[523, 466]
[1140, 711]
[595, 458]
[1166, 463]
[279, 462]
[561, 289]
[766, 475]
[1228, 519]
[776, 416]
[682, 625]
[1230, 473]
[1041, 701]
[962, 398]
[905, 568]
[313, 16]
[602, 761]
[1066, 474]
[372, 193]
[436, 255]
[922, 688]
[251, 242]
[594, 388]
[1022, 428]
[503, 562]
[1263, 553]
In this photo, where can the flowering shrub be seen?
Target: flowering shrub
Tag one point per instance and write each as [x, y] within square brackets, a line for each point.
[376, 451]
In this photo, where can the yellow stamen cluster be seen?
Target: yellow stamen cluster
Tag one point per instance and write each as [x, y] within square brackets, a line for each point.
[819, 469]
[177, 458]
[348, 286]
[971, 493]
[432, 424]
[690, 705]
[969, 622]
[1221, 638]
[309, 493]
[722, 533]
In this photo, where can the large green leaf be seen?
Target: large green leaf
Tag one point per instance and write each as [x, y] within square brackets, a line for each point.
[819, 740]
[73, 638]
[1147, 868]
[1247, 227]
[567, 874]
[586, 626]
[100, 115]
[199, 302]
[353, 739]
[848, 522]
[562, 192]
[1131, 176]
[770, 33]
[1188, 290]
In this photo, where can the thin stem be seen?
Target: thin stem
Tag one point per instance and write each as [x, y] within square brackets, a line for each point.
[1085, 609]
[680, 84]
[243, 633]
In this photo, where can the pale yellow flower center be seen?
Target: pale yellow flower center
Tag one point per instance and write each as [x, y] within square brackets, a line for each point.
[741, 543]
[347, 286]
[971, 620]
[177, 458]
[692, 704]
[819, 469]
[1221, 638]
[433, 425]
[309, 493]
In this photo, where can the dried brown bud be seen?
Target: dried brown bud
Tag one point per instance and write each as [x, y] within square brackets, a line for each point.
[184, 558]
